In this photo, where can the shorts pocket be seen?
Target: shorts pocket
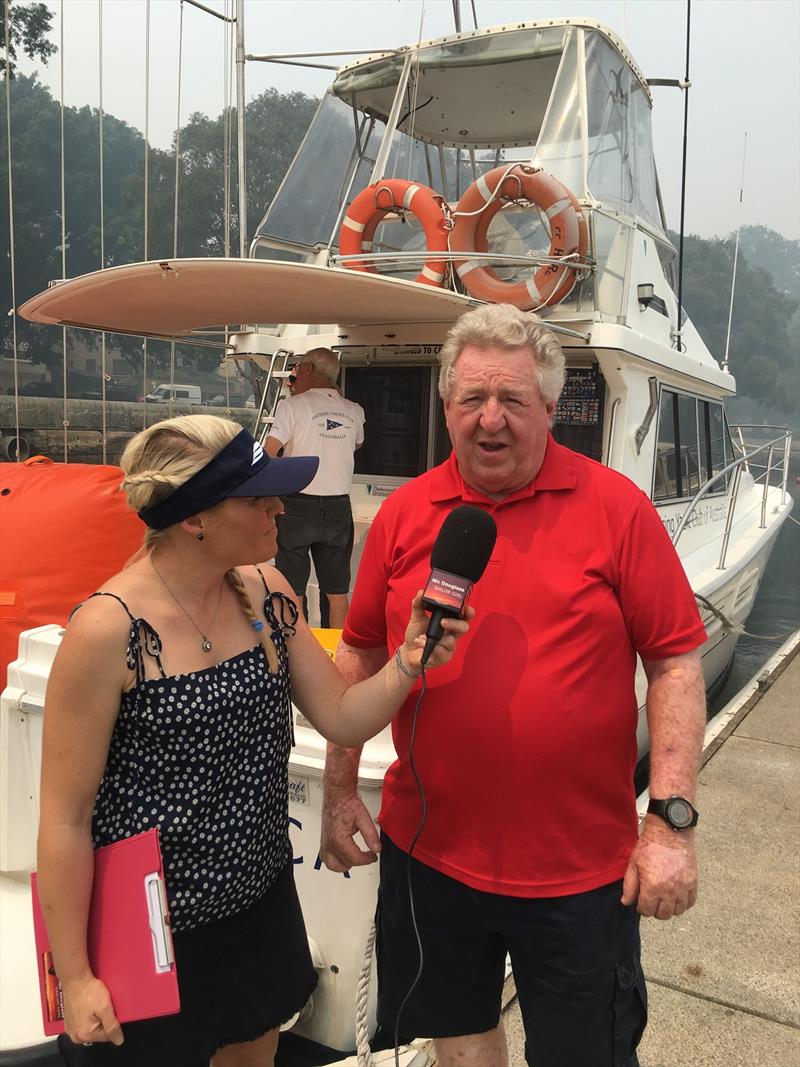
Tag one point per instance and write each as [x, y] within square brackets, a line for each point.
[630, 1012]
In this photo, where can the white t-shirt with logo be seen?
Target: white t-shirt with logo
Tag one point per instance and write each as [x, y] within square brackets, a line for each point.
[321, 422]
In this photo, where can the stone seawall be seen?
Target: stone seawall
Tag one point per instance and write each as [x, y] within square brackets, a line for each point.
[41, 426]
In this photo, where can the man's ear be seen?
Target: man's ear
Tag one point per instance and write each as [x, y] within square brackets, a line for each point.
[550, 408]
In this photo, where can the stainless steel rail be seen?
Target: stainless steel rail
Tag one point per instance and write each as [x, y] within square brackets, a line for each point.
[743, 463]
[399, 256]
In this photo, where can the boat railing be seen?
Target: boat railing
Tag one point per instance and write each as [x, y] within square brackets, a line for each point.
[402, 257]
[738, 428]
[744, 462]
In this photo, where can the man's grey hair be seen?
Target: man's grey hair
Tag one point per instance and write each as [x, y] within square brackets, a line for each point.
[504, 326]
[324, 362]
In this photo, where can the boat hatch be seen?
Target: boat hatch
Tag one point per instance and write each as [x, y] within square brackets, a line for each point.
[403, 400]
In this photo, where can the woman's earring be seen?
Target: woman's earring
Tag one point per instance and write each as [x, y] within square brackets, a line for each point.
[200, 536]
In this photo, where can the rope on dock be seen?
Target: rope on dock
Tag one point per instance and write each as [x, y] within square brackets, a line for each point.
[363, 1051]
[737, 628]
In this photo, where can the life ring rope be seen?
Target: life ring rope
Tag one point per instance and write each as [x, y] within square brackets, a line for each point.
[366, 212]
[450, 232]
[552, 282]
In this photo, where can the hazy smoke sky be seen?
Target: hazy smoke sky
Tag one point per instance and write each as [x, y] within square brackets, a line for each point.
[743, 66]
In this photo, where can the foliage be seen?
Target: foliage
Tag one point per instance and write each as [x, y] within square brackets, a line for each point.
[28, 27]
[763, 354]
[765, 333]
[276, 124]
[766, 248]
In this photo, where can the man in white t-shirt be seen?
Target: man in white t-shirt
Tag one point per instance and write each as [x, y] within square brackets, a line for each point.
[316, 420]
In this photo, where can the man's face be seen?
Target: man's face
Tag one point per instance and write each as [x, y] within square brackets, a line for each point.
[497, 419]
[302, 374]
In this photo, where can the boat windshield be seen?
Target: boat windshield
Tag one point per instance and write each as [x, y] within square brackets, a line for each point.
[464, 107]
[450, 130]
[621, 169]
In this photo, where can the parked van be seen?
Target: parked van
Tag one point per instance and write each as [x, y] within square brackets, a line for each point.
[187, 394]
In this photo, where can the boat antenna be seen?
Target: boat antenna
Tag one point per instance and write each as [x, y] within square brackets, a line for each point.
[676, 334]
[146, 205]
[175, 200]
[735, 259]
[13, 311]
[474, 13]
[101, 114]
[64, 415]
[240, 127]
[457, 15]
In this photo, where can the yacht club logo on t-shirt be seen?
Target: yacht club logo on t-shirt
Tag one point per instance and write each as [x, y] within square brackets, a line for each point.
[333, 425]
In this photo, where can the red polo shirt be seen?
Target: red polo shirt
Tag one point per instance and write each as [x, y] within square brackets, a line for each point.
[526, 741]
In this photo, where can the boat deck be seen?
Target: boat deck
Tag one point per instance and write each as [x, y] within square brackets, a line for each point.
[724, 979]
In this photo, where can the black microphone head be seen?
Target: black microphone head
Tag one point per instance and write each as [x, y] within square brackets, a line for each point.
[464, 542]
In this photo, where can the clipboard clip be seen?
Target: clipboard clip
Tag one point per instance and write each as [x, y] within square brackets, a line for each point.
[158, 913]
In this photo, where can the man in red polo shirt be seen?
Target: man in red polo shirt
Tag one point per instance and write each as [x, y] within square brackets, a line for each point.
[526, 742]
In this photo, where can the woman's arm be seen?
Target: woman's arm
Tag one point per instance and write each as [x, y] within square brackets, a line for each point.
[81, 706]
[350, 715]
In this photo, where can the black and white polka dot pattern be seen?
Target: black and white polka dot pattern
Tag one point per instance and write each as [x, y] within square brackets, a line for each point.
[204, 757]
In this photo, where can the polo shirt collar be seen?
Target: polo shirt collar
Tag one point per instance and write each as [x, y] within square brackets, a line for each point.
[559, 470]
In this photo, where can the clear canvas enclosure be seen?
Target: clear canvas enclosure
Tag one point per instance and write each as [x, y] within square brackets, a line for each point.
[563, 97]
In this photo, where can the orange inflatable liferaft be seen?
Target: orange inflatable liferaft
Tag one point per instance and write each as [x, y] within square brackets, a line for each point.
[395, 194]
[65, 528]
[569, 234]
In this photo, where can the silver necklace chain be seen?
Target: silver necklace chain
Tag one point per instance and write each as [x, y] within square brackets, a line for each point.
[206, 645]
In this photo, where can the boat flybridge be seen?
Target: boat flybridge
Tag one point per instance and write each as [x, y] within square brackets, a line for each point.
[512, 164]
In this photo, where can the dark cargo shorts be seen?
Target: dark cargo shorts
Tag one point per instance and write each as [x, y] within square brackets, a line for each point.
[576, 963]
[323, 526]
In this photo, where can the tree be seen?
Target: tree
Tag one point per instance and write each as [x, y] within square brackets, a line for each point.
[763, 355]
[28, 27]
[36, 162]
[277, 123]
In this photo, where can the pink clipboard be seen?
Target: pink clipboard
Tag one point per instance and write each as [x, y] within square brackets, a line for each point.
[129, 938]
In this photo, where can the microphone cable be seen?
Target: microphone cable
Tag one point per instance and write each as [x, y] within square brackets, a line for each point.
[423, 817]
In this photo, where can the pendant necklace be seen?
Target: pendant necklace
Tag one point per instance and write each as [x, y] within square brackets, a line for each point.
[205, 644]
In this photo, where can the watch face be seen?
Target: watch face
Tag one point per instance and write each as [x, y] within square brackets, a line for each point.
[679, 813]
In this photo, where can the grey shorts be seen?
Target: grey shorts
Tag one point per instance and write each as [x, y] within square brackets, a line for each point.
[323, 527]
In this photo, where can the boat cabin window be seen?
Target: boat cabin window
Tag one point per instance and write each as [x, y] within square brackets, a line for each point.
[578, 418]
[690, 448]
[396, 403]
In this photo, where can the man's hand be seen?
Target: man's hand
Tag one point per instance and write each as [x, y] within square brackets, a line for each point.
[344, 814]
[662, 872]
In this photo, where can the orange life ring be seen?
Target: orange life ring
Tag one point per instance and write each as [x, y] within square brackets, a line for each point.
[569, 234]
[371, 205]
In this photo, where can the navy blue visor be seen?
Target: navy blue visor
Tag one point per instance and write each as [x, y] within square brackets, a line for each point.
[242, 468]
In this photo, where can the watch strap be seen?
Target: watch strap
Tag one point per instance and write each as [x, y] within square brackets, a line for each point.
[660, 808]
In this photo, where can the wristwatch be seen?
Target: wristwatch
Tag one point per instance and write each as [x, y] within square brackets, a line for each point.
[676, 812]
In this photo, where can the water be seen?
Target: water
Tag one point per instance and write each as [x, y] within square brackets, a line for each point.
[776, 611]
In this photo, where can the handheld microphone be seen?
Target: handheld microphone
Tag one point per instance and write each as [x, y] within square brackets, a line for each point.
[458, 559]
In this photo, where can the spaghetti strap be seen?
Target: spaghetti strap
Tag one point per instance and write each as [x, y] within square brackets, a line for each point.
[118, 599]
[142, 638]
[282, 615]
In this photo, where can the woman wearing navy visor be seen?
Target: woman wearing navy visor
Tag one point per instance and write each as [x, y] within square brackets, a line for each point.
[169, 705]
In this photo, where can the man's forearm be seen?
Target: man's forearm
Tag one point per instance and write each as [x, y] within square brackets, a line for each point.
[341, 768]
[341, 764]
[676, 716]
